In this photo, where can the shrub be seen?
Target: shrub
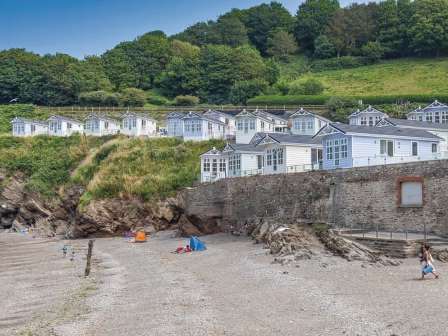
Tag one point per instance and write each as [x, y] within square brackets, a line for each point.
[323, 99]
[324, 48]
[98, 98]
[345, 62]
[373, 51]
[186, 101]
[282, 87]
[132, 97]
[336, 103]
[243, 90]
[157, 100]
[307, 87]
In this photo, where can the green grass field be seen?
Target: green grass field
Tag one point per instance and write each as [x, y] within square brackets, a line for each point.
[404, 76]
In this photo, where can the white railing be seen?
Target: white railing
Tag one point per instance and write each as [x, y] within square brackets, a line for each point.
[252, 172]
[384, 160]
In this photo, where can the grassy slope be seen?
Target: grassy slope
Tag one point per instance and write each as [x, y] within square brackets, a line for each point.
[404, 76]
[144, 168]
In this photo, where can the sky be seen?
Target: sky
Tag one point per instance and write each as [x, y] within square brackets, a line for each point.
[90, 27]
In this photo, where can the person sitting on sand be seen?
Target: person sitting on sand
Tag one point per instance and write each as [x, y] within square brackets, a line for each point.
[427, 261]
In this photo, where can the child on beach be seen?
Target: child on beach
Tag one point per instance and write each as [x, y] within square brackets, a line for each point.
[427, 261]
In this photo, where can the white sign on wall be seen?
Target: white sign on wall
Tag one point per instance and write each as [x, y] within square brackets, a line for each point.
[411, 193]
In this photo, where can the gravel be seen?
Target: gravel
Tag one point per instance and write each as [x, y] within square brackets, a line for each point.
[233, 288]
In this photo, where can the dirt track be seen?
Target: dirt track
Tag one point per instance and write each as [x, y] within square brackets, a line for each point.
[233, 289]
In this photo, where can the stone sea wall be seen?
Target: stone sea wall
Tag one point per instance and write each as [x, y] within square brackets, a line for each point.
[365, 197]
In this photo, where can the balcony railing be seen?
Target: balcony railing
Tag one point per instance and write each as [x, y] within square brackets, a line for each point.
[384, 160]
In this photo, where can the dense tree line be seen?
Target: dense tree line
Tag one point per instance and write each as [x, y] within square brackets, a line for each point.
[230, 59]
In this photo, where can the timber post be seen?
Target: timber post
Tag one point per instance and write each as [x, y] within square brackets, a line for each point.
[89, 257]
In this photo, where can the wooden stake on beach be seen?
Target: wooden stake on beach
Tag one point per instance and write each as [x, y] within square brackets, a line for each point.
[89, 257]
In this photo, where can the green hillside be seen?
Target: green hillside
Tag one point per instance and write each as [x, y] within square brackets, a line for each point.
[404, 76]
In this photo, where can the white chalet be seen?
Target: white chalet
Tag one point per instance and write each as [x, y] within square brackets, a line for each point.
[435, 112]
[194, 126]
[227, 119]
[347, 146]
[249, 123]
[137, 124]
[441, 130]
[306, 123]
[367, 117]
[63, 126]
[100, 125]
[22, 127]
[270, 153]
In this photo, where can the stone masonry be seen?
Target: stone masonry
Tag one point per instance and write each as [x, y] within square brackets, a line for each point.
[366, 197]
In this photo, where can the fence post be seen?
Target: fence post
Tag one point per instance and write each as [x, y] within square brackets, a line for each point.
[89, 258]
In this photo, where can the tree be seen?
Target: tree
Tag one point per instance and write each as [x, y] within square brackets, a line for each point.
[119, 66]
[244, 90]
[312, 18]
[98, 98]
[374, 51]
[200, 34]
[429, 32]
[132, 97]
[230, 31]
[263, 20]
[323, 48]
[281, 44]
[309, 86]
[222, 66]
[93, 75]
[186, 101]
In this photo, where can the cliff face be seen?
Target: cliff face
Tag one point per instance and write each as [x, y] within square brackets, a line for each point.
[21, 209]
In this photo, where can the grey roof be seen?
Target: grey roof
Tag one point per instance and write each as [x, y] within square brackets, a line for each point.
[217, 112]
[103, 117]
[369, 109]
[435, 106]
[138, 115]
[71, 120]
[244, 148]
[386, 130]
[263, 115]
[202, 116]
[416, 124]
[212, 151]
[302, 111]
[30, 121]
[175, 115]
[293, 138]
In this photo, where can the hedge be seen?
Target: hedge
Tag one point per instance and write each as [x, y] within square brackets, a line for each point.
[322, 99]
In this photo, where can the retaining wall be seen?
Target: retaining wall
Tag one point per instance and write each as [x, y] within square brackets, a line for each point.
[366, 197]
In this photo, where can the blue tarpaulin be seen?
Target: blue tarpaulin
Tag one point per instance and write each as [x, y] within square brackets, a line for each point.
[196, 244]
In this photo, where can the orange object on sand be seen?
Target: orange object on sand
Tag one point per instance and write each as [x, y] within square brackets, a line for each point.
[140, 237]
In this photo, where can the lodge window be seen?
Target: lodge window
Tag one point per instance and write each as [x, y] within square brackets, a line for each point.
[262, 125]
[106, 124]
[297, 124]
[269, 158]
[336, 153]
[414, 148]
[420, 118]
[252, 124]
[143, 123]
[280, 156]
[260, 161]
[444, 117]
[33, 128]
[370, 121]
[134, 123]
[240, 125]
[344, 151]
[210, 127]
[436, 117]
[310, 125]
[69, 125]
[429, 117]
[246, 126]
[222, 165]
[329, 149]
[59, 125]
[363, 121]
[206, 165]
[387, 147]
[434, 148]
[238, 162]
[303, 126]
[187, 127]
[214, 166]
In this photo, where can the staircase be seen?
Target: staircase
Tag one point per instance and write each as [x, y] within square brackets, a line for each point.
[397, 248]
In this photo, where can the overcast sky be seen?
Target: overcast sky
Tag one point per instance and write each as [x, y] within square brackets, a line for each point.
[88, 27]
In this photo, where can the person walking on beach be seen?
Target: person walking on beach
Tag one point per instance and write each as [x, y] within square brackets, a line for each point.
[427, 261]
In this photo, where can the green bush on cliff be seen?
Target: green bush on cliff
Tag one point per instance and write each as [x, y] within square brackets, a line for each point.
[147, 168]
[45, 161]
